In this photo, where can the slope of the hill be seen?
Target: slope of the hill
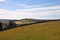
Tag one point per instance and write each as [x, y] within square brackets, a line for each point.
[40, 31]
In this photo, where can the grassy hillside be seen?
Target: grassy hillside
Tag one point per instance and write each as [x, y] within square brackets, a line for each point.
[40, 31]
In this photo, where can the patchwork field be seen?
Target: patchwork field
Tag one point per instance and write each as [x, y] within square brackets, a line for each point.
[39, 31]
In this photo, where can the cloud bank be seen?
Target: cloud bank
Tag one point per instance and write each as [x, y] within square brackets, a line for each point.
[51, 12]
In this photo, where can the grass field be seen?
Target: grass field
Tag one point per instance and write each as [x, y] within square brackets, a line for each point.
[40, 31]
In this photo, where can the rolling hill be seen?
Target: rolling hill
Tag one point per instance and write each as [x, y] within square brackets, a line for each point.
[39, 31]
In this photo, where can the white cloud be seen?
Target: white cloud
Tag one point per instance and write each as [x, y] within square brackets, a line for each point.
[29, 6]
[42, 8]
[45, 12]
[33, 6]
[22, 5]
[2, 0]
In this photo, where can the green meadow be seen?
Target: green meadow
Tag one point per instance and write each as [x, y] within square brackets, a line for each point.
[39, 31]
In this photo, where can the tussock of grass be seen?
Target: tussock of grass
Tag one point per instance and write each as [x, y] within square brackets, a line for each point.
[40, 31]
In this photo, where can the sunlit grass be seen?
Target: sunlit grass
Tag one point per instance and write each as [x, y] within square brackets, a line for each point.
[40, 31]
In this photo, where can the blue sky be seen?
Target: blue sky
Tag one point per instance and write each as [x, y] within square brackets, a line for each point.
[39, 9]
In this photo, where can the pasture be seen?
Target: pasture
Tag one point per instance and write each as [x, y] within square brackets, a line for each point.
[39, 31]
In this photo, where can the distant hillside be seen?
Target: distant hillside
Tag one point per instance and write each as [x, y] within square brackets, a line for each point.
[9, 24]
[40, 31]
[28, 21]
